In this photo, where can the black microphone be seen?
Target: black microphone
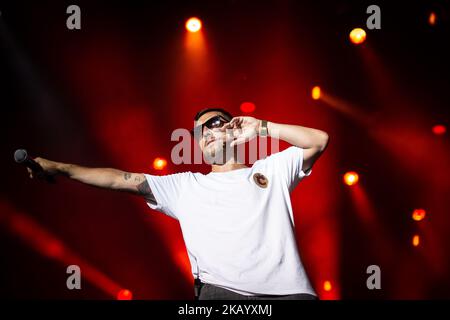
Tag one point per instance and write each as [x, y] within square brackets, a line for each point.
[21, 157]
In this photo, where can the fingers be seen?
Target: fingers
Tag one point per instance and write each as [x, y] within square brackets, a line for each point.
[40, 161]
[226, 126]
[232, 122]
[237, 141]
[232, 129]
[30, 173]
[38, 175]
[236, 122]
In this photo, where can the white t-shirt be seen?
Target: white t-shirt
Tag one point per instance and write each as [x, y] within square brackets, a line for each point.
[238, 228]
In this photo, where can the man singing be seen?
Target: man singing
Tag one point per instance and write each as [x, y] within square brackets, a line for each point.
[237, 221]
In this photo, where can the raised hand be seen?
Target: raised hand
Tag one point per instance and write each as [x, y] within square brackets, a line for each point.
[242, 129]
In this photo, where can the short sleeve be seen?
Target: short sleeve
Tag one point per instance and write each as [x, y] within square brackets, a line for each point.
[289, 163]
[167, 190]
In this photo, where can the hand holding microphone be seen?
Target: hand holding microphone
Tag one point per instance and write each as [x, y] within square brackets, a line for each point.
[38, 167]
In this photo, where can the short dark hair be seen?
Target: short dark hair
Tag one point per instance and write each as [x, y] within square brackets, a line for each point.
[227, 115]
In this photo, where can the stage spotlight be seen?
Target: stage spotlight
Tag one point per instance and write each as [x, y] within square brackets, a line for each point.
[315, 93]
[416, 240]
[357, 36]
[432, 19]
[248, 107]
[327, 286]
[124, 294]
[193, 25]
[351, 178]
[419, 214]
[159, 163]
[439, 129]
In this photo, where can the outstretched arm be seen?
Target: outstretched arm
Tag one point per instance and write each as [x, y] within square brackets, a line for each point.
[107, 178]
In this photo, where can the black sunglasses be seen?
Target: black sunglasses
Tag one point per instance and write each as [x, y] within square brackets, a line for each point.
[213, 123]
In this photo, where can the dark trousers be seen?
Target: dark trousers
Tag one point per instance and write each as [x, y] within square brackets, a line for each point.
[211, 292]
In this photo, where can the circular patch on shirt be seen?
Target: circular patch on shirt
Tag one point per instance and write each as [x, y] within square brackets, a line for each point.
[261, 180]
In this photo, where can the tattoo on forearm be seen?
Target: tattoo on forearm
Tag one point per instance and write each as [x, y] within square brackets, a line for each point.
[127, 175]
[137, 179]
[145, 191]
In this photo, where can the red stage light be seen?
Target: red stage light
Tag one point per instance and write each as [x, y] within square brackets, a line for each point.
[315, 93]
[439, 129]
[419, 214]
[159, 163]
[124, 294]
[432, 18]
[416, 240]
[351, 178]
[248, 107]
[327, 286]
[193, 25]
[357, 36]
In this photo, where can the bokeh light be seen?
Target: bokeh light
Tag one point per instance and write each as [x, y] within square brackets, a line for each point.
[351, 178]
[418, 214]
[315, 93]
[193, 25]
[357, 36]
[159, 163]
